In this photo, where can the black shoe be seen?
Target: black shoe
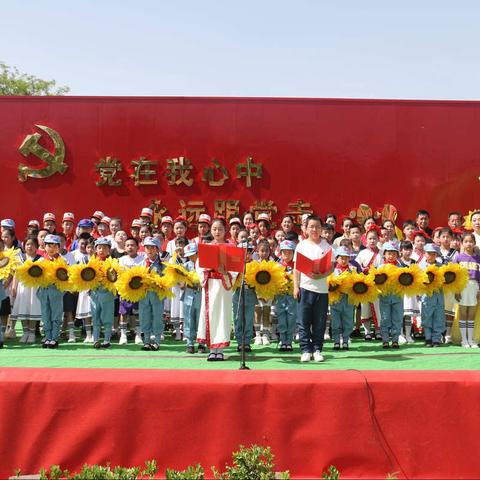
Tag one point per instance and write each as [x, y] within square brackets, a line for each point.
[78, 323]
[289, 347]
[219, 357]
[239, 348]
[105, 345]
[368, 337]
[248, 348]
[386, 345]
[378, 336]
[1, 344]
[395, 345]
[97, 345]
[155, 346]
[336, 346]
[146, 347]
[53, 344]
[428, 343]
[212, 357]
[345, 346]
[190, 349]
[45, 344]
[356, 333]
[202, 348]
[283, 347]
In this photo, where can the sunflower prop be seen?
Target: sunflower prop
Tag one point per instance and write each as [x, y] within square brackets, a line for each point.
[59, 274]
[133, 283]
[434, 280]
[161, 286]
[455, 277]
[289, 285]
[408, 281]
[360, 288]
[238, 282]
[175, 273]
[266, 277]
[335, 283]
[86, 276]
[383, 277]
[111, 272]
[8, 262]
[34, 274]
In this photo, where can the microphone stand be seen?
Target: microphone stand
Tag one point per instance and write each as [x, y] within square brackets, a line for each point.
[243, 366]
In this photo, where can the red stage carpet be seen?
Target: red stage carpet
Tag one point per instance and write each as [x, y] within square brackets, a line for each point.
[368, 424]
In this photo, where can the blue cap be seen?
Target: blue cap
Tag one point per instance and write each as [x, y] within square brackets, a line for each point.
[287, 245]
[85, 223]
[8, 223]
[103, 241]
[390, 247]
[431, 248]
[52, 239]
[190, 249]
[151, 242]
[342, 252]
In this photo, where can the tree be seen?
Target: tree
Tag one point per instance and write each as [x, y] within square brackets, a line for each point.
[13, 82]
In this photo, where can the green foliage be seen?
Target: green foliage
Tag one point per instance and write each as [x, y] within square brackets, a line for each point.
[13, 82]
[191, 473]
[332, 473]
[254, 463]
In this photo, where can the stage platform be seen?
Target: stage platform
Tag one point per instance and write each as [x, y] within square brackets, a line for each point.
[414, 412]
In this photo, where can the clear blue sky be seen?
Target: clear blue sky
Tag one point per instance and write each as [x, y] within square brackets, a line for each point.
[415, 49]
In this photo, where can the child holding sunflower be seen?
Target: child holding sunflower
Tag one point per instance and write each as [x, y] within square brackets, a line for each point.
[468, 299]
[214, 324]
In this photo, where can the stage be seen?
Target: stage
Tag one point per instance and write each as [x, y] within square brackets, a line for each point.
[413, 412]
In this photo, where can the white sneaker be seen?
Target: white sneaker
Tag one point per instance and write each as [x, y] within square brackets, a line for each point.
[88, 339]
[473, 345]
[317, 356]
[402, 340]
[465, 344]
[31, 337]
[162, 337]
[265, 340]
[178, 335]
[409, 339]
[25, 337]
[71, 337]
[297, 338]
[306, 357]
[326, 336]
[258, 340]
[138, 339]
[123, 339]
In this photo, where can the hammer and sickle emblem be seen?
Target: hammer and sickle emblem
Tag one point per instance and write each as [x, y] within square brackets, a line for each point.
[53, 160]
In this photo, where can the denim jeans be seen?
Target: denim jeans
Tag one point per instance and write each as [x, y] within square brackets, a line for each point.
[311, 320]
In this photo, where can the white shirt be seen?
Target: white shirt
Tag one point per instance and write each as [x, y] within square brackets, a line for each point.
[364, 258]
[313, 251]
[129, 262]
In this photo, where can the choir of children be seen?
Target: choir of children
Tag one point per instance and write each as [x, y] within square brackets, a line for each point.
[205, 312]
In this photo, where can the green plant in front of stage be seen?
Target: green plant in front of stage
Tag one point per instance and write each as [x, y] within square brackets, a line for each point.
[191, 473]
[331, 474]
[254, 463]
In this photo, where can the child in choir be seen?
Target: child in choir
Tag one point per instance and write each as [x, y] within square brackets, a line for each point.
[179, 229]
[250, 302]
[135, 229]
[263, 223]
[215, 320]
[128, 310]
[432, 307]
[263, 317]
[411, 306]
[391, 305]
[311, 293]
[235, 227]
[468, 299]
[203, 227]
[341, 312]
[328, 232]
[285, 305]
[26, 307]
[419, 241]
[51, 298]
[192, 301]
[103, 301]
[367, 258]
[447, 255]
[150, 308]
[176, 304]
[355, 235]
[253, 232]
[408, 230]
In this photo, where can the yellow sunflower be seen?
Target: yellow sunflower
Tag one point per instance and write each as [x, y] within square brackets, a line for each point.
[133, 283]
[9, 261]
[335, 283]
[59, 273]
[266, 277]
[111, 270]
[289, 285]
[34, 274]
[360, 288]
[161, 287]
[86, 276]
[175, 273]
[238, 282]
[383, 277]
[193, 279]
[408, 281]
[435, 280]
[455, 277]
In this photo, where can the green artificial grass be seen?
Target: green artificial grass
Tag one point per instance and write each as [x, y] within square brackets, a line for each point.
[361, 356]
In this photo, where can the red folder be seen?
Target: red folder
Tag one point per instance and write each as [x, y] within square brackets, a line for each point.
[211, 256]
[310, 267]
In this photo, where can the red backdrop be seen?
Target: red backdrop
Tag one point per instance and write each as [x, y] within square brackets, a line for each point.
[334, 154]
